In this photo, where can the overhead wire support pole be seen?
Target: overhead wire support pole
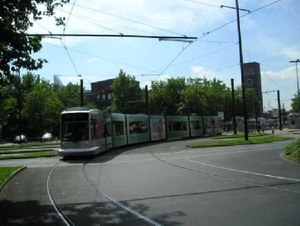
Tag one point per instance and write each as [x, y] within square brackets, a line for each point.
[297, 61]
[241, 65]
[242, 71]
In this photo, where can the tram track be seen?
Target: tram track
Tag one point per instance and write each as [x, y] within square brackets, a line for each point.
[167, 154]
[234, 179]
[56, 207]
[67, 221]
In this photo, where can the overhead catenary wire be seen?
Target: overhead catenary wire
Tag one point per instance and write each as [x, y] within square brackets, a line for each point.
[66, 24]
[104, 58]
[127, 19]
[204, 55]
[65, 47]
[205, 34]
[218, 28]
[90, 20]
[183, 49]
[202, 3]
[159, 37]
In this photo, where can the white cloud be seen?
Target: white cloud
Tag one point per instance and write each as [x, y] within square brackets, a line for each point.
[132, 16]
[164, 78]
[199, 71]
[285, 74]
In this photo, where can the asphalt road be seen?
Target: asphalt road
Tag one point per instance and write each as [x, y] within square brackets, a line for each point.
[162, 184]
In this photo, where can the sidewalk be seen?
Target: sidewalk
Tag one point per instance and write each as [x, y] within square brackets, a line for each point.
[284, 132]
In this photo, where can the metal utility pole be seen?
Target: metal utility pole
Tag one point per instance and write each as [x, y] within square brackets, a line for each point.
[297, 61]
[81, 92]
[241, 63]
[146, 100]
[242, 71]
[233, 105]
[279, 110]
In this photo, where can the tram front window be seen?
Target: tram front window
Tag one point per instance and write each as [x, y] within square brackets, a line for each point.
[75, 128]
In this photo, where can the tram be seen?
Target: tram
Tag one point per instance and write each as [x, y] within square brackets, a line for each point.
[87, 131]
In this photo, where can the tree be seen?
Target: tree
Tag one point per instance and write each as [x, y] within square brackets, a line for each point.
[250, 102]
[165, 97]
[42, 109]
[193, 97]
[205, 97]
[17, 17]
[295, 103]
[127, 95]
[70, 96]
[13, 98]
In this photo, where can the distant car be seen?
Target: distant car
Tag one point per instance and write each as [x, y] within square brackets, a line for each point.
[20, 139]
[47, 137]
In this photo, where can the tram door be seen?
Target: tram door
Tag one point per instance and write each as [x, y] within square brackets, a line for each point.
[107, 133]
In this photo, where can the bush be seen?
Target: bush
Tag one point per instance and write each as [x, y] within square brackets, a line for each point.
[293, 150]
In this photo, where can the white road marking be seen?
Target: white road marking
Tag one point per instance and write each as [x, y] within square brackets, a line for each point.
[244, 171]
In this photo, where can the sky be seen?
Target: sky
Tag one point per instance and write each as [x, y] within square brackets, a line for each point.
[270, 32]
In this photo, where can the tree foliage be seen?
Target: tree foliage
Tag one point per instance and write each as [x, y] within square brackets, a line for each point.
[16, 47]
[127, 95]
[197, 96]
[32, 106]
[165, 96]
[296, 103]
[42, 109]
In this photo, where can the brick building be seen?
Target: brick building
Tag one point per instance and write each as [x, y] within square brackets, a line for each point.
[101, 93]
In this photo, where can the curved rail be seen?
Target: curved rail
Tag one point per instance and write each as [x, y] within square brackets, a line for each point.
[60, 213]
[293, 180]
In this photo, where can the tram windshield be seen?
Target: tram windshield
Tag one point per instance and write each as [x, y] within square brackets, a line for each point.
[75, 127]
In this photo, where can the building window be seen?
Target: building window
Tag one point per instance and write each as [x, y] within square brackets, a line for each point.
[109, 96]
[103, 97]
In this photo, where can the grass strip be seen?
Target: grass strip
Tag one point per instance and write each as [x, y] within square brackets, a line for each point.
[6, 172]
[28, 145]
[239, 141]
[292, 151]
[7, 152]
[35, 154]
[240, 135]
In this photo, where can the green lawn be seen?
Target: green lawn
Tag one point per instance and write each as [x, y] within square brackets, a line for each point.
[240, 135]
[239, 141]
[29, 150]
[28, 154]
[6, 172]
[292, 151]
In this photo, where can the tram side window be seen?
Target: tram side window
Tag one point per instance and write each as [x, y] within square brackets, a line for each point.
[209, 124]
[119, 128]
[106, 132]
[177, 126]
[95, 128]
[196, 125]
[138, 127]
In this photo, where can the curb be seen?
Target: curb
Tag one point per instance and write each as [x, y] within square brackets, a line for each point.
[286, 158]
[11, 176]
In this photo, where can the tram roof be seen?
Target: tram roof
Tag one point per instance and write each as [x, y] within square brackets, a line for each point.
[79, 109]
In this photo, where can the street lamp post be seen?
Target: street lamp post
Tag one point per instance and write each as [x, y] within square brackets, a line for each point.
[297, 61]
